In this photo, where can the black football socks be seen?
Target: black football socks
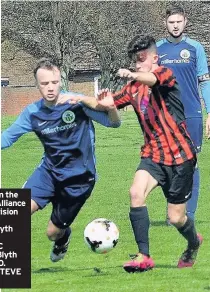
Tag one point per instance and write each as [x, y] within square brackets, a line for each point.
[61, 241]
[188, 231]
[139, 218]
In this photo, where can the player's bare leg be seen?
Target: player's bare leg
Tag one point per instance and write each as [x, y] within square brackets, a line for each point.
[34, 207]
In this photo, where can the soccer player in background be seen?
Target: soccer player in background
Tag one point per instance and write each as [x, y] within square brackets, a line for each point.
[168, 157]
[66, 174]
[187, 59]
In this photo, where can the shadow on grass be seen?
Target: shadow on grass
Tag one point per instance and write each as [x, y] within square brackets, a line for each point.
[102, 271]
[158, 223]
[64, 269]
[50, 270]
[166, 266]
[163, 223]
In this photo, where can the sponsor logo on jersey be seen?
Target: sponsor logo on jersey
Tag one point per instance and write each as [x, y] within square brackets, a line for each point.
[58, 129]
[42, 123]
[161, 56]
[135, 95]
[144, 103]
[185, 54]
[175, 61]
[68, 117]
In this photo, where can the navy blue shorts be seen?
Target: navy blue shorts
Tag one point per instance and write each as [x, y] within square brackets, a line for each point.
[67, 197]
[195, 129]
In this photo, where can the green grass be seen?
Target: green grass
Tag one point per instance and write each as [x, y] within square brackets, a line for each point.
[117, 152]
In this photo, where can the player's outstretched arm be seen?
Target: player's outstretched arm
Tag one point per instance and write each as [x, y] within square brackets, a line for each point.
[75, 98]
[104, 103]
[21, 126]
[99, 104]
[108, 114]
[105, 100]
[146, 78]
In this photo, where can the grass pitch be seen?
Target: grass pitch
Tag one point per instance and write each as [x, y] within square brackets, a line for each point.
[117, 153]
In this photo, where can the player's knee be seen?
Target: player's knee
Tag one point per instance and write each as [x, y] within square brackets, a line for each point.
[52, 237]
[34, 207]
[137, 197]
[176, 219]
[53, 233]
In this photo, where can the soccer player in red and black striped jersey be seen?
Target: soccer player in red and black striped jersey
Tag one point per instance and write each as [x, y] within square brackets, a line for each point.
[168, 156]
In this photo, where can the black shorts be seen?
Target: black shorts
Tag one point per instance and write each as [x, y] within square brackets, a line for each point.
[176, 180]
[70, 200]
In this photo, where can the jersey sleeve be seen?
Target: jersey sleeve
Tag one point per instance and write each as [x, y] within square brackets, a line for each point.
[164, 77]
[122, 97]
[203, 75]
[201, 61]
[100, 117]
[21, 126]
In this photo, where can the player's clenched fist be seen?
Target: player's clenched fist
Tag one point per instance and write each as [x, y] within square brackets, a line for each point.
[105, 99]
[125, 73]
[102, 93]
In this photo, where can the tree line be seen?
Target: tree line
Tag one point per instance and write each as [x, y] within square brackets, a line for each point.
[78, 33]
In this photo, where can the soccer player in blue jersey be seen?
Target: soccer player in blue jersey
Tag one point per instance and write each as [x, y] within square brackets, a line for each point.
[186, 57]
[66, 175]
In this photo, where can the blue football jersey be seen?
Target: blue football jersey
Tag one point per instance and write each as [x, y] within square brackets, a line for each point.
[188, 61]
[66, 132]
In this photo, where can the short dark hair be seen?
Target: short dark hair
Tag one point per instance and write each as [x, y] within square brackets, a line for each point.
[175, 10]
[140, 43]
[47, 63]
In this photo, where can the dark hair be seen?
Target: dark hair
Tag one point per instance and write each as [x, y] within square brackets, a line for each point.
[140, 43]
[174, 10]
[46, 63]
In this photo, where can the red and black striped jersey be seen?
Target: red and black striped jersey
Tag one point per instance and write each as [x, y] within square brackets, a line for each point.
[161, 116]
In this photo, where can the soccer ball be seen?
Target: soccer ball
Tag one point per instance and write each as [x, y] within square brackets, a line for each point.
[101, 235]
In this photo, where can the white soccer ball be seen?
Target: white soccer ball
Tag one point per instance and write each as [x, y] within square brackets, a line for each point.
[101, 235]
